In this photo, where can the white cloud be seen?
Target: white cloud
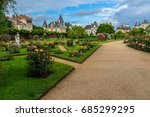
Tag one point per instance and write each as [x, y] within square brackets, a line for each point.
[44, 5]
[111, 11]
[126, 11]
[136, 10]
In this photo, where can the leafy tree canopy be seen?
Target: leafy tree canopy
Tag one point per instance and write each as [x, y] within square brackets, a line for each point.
[105, 28]
[77, 32]
[5, 6]
[137, 32]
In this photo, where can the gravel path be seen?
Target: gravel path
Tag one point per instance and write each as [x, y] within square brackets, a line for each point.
[114, 71]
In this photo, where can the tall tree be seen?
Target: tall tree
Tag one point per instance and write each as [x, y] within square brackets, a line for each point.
[137, 32]
[105, 28]
[77, 32]
[5, 6]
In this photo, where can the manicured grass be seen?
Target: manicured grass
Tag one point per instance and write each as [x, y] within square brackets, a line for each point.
[16, 85]
[23, 51]
[80, 59]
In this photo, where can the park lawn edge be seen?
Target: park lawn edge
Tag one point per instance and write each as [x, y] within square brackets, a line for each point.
[44, 93]
[93, 50]
[10, 91]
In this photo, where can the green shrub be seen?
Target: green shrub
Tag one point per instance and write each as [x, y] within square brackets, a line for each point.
[45, 35]
[69, 43]
[74, 53]
[14, 49]
[51, 45]
[140, 43]
[82, 49]
[7, 57]
[2, 75]
[39, 63]
[24, 44]
[77, 42]
[35, 37]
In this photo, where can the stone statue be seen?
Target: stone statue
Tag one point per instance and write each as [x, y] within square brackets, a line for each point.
[17, 39]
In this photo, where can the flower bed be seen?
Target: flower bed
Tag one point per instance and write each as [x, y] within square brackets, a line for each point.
[139, 43]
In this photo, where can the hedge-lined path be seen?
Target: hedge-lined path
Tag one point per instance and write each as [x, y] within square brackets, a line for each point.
[114, 71]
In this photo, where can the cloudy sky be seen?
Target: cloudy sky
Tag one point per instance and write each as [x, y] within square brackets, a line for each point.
[83, 12]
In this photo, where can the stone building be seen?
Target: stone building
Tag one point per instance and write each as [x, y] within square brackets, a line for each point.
[142, 25]
[56, 26]
[22, 22]
[91, 29]
[123, 28]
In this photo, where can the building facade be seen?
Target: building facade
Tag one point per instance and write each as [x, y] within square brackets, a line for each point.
[91, 29]
[123, 28]
[22, 22]
[144, 25]
[56, 26]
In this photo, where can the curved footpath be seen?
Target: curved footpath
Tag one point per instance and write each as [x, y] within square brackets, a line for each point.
[114, 71]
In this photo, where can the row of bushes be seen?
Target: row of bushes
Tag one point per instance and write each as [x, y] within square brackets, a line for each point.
[10, 33]
[139, 43]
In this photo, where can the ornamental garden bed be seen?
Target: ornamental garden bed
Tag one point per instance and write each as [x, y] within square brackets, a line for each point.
[15, 84]
[142, 44]
[78, 59]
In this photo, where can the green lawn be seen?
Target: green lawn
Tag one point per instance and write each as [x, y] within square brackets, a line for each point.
[23, 51]
[80, 59]
[16, 85]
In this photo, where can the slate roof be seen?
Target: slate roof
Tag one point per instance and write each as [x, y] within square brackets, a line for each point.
[45, 24]
[58, 23]
[145, 22]
[137, 24]
[87, 27]
[124, 27]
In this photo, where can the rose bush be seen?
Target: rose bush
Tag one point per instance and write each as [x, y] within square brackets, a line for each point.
[140, 43]
[39, 62]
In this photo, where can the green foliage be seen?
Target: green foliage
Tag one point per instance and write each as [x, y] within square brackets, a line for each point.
[139, 42]
[75, 55]
[2, 75]
[4, 23]
[35, 37]
[137, 32]
[148, 30]
[37, 27]
[5, 6]
[39, 63]
[69, 43]
[14, 49]
[77, 32]
[20, 87]
[7, 57]
[24, 34]
[119, 35]
[39, 32]
[105, 28]
[45, 35]
[51, 45]
[12, 31]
